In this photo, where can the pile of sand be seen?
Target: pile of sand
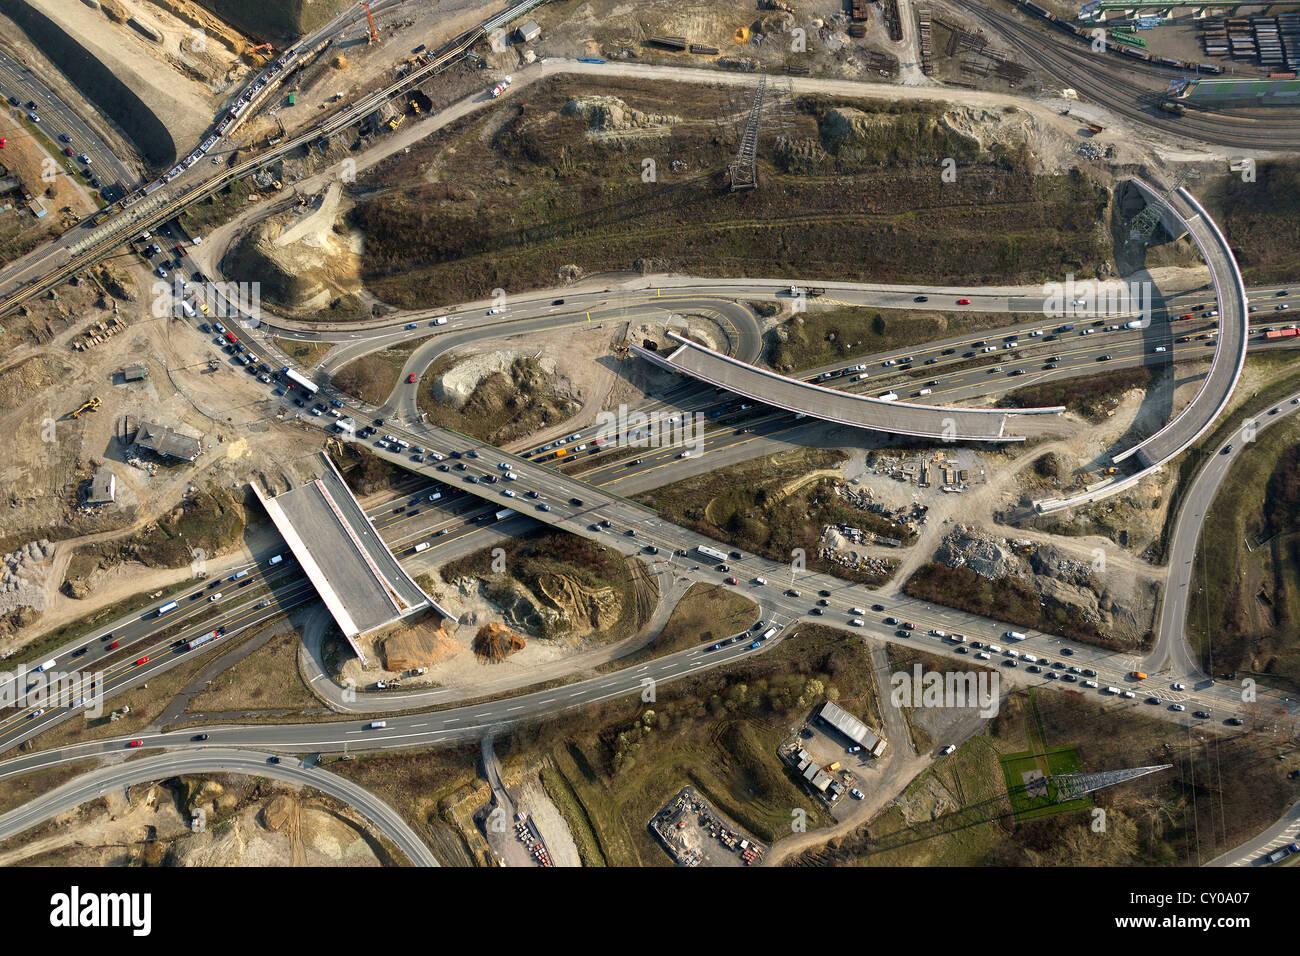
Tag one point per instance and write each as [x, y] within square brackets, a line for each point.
[496, 642]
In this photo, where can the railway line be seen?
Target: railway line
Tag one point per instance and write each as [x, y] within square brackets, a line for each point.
[1110, 83]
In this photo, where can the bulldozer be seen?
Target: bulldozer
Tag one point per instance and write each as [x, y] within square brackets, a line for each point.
[88, 406]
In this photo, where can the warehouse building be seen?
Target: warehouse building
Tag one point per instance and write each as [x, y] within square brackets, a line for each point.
[854, 729]
[1229, 93]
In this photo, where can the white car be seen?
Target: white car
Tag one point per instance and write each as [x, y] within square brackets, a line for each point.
[494, 311]
[854, 749]
[935, 632]
[685, 454]
[982, 656]
[1160, 348]
[1177, 707]
[215, 597]
[1178, 686]
[1090, 683]
[947, 750]
[857, 794]
[509, 476]
[1127, 693]
[508, 493]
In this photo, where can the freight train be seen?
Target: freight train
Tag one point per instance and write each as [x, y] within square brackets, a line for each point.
[1119, 49]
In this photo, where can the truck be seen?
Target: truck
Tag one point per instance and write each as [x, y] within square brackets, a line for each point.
[1135, 324]
[1014, 635]
[44, 667]
[302, 381]
[167, 608]
[422, 546]
[501, 87]
[186, 308]
[345, 426]
[200, 641]
[713, 553]
[505, 513]
[770, 632]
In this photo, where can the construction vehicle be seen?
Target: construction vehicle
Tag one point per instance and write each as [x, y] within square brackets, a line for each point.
[415, 107]
[374, 35]
[396, 121]
[88, 406]
[253, 57]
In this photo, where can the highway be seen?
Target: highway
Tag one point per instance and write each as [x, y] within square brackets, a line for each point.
[119, 775]
[1171, 649]
[57, 117]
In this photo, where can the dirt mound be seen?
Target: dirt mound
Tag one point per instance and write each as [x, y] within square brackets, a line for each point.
[277, 812]
[496, 642]
[422, 645]
[609, 114]
[302, 261]
[19, 382]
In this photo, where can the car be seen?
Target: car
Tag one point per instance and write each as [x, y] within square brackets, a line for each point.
[963, 649]
[1227, 450]
[410, 379]
[136, 743]
[273, 760]
[1032, 668]
[494, 311]
[142, 660]
[630, 533]
[1178, 686]
[1203, 714]
[36, 713]
[856, 794]
[113, 646]
[1234, 721]
[947, 750]
[160, 272]
[963, 301]
[1178, 707]
[1154, 700]
[557, 302]
[909, 626]
[1159, 348]
[922, 298]
[1279, 308]
[67, 150]
[854, 749]
[1103, 358]
[1068, 652]
[576, 502]
[198, 737]
[818, 611]
[732, 581]
[33, 117]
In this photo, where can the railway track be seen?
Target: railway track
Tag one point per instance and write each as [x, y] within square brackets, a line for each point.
[1120, 86]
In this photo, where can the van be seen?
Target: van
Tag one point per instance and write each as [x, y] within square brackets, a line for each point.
[1014, 636]
[1112, 690]
[403, 443]
[994, 649]
[1030, 658]
[239, 574]
[861, 611]
[926, 391]
[889, 397]
[422, 546]
[377, 725]
[441, 320]
[276, 560]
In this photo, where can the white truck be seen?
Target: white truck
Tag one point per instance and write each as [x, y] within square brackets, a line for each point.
[501, 87]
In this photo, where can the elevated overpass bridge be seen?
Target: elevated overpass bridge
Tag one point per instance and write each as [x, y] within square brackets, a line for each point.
[942, 422]
[1210, 401]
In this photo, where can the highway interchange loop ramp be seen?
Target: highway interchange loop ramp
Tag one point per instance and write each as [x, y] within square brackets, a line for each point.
[946, 423]
[1229, 359]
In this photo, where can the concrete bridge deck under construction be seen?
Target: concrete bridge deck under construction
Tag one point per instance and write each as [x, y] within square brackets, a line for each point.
[946, 423]
[358, 578]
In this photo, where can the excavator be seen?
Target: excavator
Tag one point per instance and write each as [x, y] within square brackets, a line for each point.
[374, 35]
[253, 57]
[88, 406]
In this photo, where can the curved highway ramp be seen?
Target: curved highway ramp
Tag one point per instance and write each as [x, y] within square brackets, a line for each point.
[946, 423]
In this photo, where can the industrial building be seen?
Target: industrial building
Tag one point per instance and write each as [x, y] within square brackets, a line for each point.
[854, 729]
[528, 32]
[1227, 93]
[170, 444]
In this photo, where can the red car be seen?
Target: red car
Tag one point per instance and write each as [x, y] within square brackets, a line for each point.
[114, 645]
[963, 301]
[67, 150]
[143, 660]
[732, 581]
[410, 379]
[136, 743]
[909, 625]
